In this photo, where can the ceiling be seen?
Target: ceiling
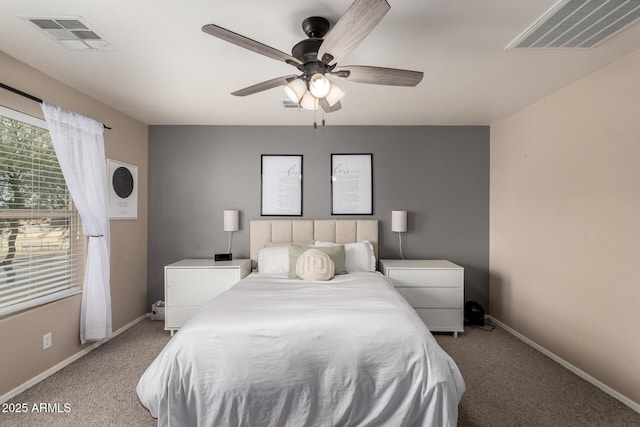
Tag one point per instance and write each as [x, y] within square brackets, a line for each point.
[167, 71]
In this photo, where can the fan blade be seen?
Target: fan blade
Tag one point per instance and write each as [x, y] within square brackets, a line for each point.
[278, 81]
[379, 75]
[250, 44]
[356, 23]
[327, 108]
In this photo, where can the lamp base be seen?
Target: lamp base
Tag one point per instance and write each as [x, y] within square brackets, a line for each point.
[223, 257]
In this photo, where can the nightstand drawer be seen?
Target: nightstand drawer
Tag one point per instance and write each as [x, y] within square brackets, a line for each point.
[432, 297]
[441, 319]
[202, 276]
[193, 296]
[426, 278]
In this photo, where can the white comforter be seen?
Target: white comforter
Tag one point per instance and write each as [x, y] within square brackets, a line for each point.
[278, 352]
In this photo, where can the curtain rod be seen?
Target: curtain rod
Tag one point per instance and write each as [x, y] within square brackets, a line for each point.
[31, 97]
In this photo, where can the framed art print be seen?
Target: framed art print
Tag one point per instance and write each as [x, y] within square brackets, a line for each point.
[123, 190]
[281, 185]
[352, 184]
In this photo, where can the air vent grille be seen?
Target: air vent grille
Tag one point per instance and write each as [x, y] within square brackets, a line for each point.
[579, 24]
[74, 33]
[291, 106]
[72, 24]
[86, 35]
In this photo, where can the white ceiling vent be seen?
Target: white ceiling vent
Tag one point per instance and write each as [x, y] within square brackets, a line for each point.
[289, 105]
[72, 32]
[579, 24]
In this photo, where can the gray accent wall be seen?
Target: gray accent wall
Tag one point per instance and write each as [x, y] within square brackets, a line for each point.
[439, 174]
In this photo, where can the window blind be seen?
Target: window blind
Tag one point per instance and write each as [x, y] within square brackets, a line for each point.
[40, 244]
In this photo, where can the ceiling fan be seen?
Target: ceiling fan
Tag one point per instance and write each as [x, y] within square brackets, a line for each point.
[317, 57]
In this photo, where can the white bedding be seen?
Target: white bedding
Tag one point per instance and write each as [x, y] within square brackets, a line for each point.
[273, 351]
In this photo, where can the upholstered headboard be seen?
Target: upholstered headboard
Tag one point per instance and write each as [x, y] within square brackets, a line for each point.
[265, 231]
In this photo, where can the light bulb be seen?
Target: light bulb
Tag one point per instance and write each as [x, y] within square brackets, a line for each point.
[319, 85]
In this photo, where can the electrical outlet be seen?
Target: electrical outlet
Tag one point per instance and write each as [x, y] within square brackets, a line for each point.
[46, 340]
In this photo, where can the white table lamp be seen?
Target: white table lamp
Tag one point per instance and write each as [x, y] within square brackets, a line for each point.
[231, 223]
[399, 225]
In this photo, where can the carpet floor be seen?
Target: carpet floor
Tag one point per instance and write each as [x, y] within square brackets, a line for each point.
[508, 384]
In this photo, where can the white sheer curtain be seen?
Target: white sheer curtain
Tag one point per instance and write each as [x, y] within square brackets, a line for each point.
[79, 146]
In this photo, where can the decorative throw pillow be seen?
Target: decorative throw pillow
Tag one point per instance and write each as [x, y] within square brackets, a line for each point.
[294, 253]
[314, 265]
[336, 253]
[358, 256]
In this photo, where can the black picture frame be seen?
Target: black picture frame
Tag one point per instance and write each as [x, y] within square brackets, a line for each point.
[281, 184]
[351, 184]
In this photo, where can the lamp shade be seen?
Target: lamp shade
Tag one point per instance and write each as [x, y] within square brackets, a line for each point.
[309, 102]
[399, 221]
[231, 220]
[335, 94]
[295, 90]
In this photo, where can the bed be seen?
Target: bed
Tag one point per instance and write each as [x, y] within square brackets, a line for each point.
[276, 351]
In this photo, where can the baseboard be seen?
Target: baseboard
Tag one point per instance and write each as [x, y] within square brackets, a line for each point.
[579, 372]
[35, 380]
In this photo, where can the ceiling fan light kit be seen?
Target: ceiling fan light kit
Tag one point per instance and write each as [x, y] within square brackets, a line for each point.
[320, 88]
[317, 57]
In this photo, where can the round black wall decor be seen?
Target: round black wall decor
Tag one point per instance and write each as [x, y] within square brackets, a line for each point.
[122, 182]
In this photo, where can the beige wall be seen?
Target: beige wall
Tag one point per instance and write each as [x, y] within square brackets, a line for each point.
[21, 353]
[565, 224]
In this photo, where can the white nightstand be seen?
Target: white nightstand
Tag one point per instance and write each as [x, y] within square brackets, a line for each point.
[434, 288]
[190, 283]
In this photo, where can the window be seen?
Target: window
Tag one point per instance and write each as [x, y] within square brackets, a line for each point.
[40, 243]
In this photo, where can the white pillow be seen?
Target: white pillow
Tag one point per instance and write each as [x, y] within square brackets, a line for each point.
[314, 264]
[273, 260]
[357, 256]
